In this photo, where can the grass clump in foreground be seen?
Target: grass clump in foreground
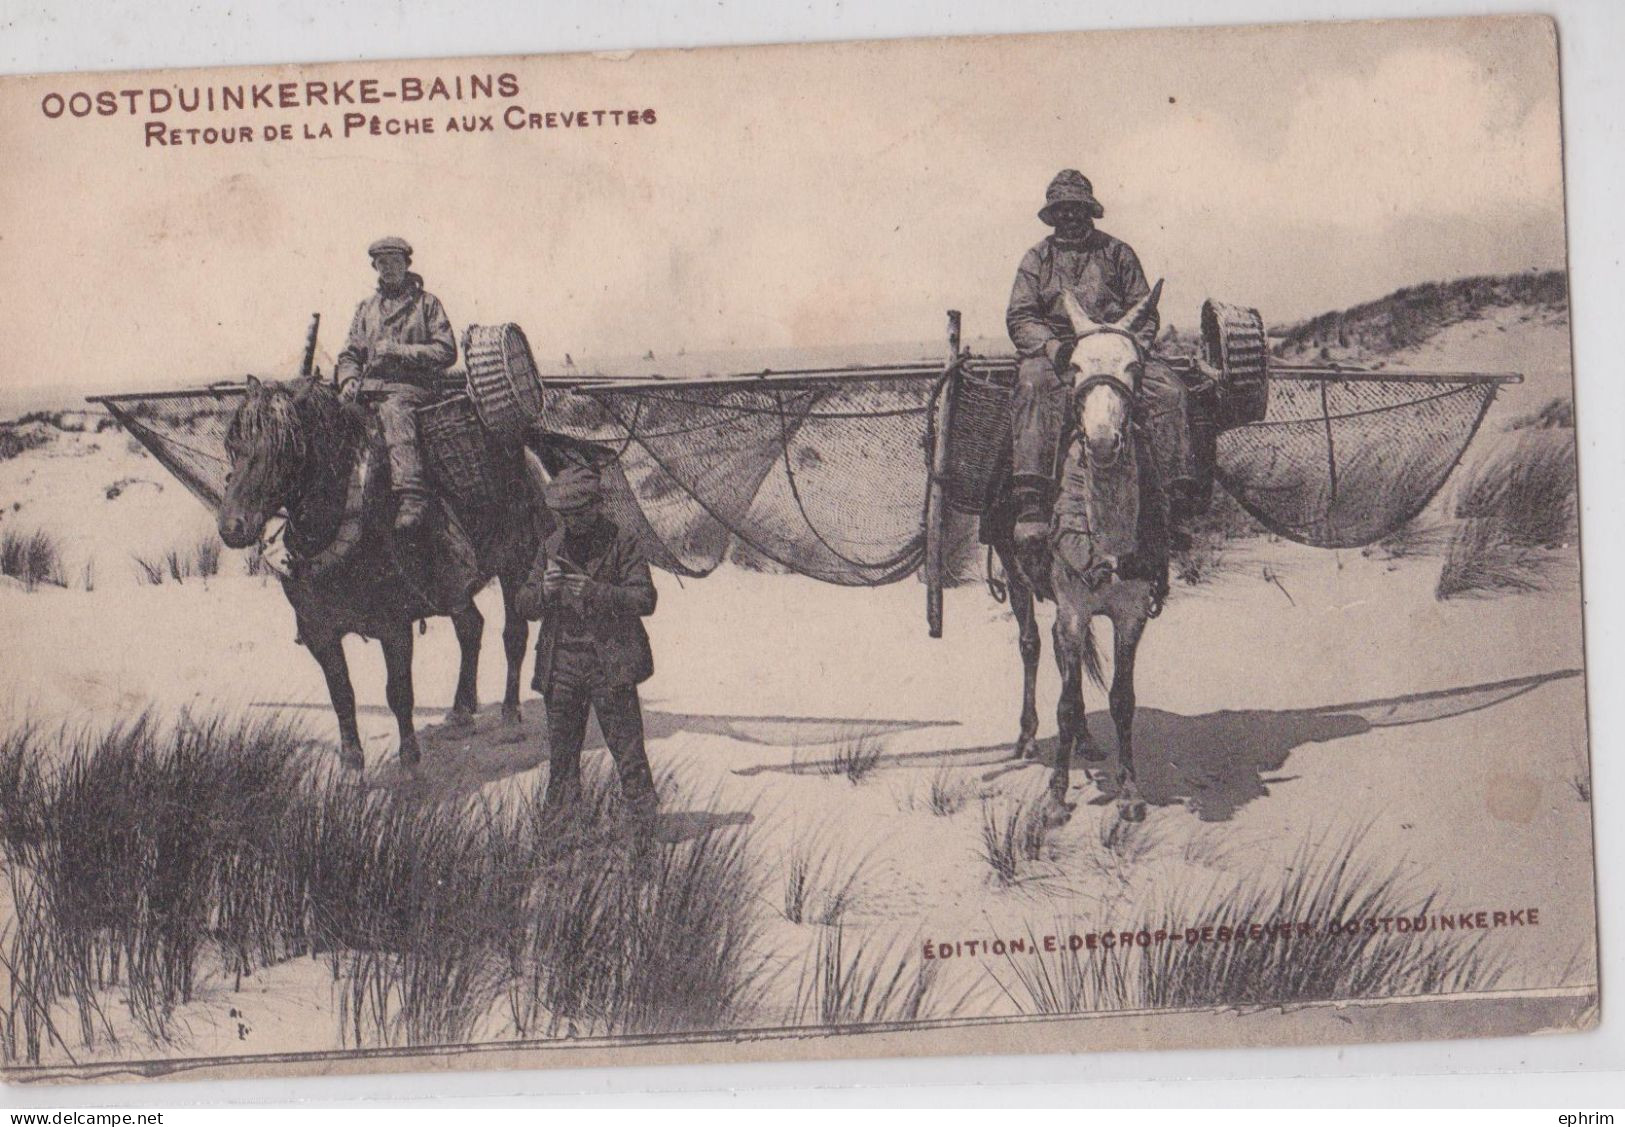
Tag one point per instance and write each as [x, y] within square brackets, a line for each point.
[200, 560]
[1515, 507]
[1327, 883]
[855, 755]
[32, 558]
[821, 884]
[866, 981]
[154, 858]
[1013, 836]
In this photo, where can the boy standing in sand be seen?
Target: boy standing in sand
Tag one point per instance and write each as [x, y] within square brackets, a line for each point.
[590, 585]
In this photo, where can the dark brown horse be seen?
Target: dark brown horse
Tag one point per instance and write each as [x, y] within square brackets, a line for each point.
[295, 448]
[1106, 554]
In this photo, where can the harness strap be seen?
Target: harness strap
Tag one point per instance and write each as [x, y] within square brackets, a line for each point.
[350, 528]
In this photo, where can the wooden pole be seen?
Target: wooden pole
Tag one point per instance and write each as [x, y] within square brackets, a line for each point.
[308, 364]
[936, 483]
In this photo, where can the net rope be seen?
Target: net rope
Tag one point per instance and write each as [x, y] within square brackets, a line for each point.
[827, 476]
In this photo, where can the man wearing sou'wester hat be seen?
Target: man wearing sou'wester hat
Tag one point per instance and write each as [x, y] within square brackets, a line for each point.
[1104, 275]
[400, 342]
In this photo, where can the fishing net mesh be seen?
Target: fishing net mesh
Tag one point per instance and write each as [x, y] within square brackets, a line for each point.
[1339, 463]
[823, 477]
[185, 432]
[826, 475]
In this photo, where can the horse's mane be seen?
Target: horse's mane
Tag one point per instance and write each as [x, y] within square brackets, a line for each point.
[297, 422]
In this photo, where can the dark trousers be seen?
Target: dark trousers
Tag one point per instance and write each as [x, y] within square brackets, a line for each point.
[397, 405]
[620, 718]
[1038, 416]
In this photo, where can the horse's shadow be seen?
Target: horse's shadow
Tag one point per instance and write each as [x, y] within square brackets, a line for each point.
[1217, 762]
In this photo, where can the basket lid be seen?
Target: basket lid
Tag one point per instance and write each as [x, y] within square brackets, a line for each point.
[502, 378]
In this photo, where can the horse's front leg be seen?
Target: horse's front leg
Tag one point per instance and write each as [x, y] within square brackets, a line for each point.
[397, 643]
[1069, 710]
[1022, 605]
[515, 636]
[1128, 627]
[326, 646]
[470, 627]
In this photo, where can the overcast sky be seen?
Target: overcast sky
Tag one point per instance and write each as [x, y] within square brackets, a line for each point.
[788, 196]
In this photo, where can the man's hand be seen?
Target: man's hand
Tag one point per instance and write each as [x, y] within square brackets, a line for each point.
[552, 580]
[575, 589]
[1208, 372]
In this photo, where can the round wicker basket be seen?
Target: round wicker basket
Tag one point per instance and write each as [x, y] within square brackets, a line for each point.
[1233, 341]
[502, 379]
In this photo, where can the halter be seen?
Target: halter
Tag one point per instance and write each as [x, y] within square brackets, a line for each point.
[1113, 380]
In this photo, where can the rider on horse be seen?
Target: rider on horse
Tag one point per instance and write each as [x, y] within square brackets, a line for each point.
[1104, 275]
[400, 342]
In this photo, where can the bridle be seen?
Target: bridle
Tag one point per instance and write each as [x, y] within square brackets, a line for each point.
[1129, 389]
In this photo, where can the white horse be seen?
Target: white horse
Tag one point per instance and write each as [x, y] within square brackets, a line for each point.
[1106, 554]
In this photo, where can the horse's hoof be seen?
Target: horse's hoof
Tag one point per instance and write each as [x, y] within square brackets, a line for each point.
[1057, 811]
[512, 717]
[458, 721]
[1026, 748]
[351, 759]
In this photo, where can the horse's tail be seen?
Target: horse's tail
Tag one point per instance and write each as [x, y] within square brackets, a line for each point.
[1091, 655]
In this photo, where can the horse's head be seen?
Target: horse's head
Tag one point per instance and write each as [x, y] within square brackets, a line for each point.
[1107, 363]
[275, 440]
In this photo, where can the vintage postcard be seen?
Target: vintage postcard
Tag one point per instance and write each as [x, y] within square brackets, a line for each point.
[1037, 544]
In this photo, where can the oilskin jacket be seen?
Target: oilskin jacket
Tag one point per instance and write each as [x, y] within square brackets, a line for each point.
[603, 643]
[1103, 273]
[415, 320]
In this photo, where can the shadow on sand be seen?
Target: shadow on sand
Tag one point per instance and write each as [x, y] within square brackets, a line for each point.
[457, 761]
[1218, 762]
[1215, 763]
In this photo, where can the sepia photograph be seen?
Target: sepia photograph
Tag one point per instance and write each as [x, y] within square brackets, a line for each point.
[999, 544]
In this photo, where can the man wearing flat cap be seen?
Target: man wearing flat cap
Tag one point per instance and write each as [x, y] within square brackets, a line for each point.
[590, 585]
[400, 343]
[1104, 275]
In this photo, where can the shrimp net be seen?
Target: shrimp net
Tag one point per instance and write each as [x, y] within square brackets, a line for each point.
[824, 473]
[1343, 460]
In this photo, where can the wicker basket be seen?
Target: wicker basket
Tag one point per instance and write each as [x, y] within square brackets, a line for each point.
[978, 435]
[452, 381]
[502, 379]
[457, 451]
[1233, 341]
